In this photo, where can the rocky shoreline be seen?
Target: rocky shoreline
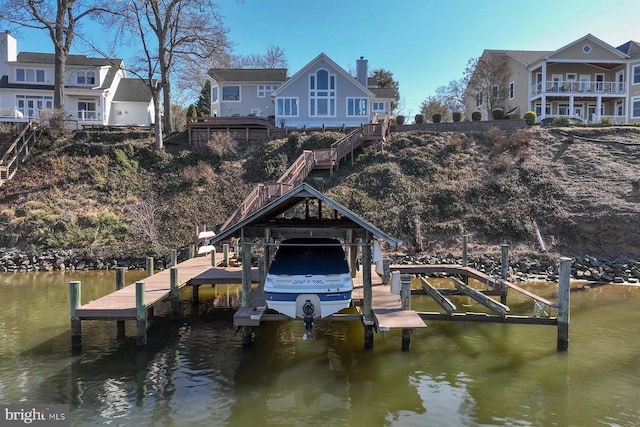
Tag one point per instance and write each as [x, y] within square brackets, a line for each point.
[587, 268]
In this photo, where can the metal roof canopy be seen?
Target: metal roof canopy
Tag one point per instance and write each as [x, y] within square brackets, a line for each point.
[271, 216]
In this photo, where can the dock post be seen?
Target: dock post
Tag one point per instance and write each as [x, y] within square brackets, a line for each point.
[192, 250]
[246, 286]
[367, 291]
[213, 257]
[119, 285]
[465, 257]
[563, 303]
[174, 294]
[149, 266]
[405, 296]
[141, 314]
[225, 254]
[386, 271]
[75, 287]
[505, 272]
[174, 258]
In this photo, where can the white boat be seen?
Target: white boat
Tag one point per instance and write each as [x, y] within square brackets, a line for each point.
[309, 271]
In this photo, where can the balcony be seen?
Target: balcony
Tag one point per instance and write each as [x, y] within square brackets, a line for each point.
[583, 88]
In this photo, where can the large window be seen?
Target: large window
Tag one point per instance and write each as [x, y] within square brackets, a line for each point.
[231, 93]
[87, 109]
[214, 94]
[86, 78]
[636, 74]
[547, 110]
[264, 90]
[636, 107]
[322, 94]
[357, 107]
[563, 109]
[479, 99]
[288, 107]
[29, 75]
[31, 105]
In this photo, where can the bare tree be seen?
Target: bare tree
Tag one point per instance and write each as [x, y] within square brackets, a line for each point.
[171, 32]
[451, 96]
[61, 20]
[275, 57]
[432, 105]
[489, 77]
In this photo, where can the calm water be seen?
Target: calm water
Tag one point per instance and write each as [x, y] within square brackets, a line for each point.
[196, 372]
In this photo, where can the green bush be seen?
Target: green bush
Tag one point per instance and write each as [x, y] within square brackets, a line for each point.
[561, 121]
[457, 116]
[530, 117]
[497, 113]
[399, 120]
[419, 118]
[476, 116]
[437, 118]
[192, 111]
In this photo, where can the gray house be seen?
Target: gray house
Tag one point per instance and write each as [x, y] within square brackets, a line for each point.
[321, 93]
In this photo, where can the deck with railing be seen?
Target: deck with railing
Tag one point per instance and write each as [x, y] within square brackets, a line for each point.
[574, 87]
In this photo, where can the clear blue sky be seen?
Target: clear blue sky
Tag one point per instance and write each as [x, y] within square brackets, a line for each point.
[424, 43]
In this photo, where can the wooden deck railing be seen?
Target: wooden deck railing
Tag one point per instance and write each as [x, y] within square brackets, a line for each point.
[326, 158]
[16, 152]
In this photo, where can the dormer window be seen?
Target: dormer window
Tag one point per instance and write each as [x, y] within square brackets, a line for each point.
[86, 78]
[29, 75]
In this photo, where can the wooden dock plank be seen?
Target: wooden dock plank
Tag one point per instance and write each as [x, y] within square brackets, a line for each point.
[122, 303]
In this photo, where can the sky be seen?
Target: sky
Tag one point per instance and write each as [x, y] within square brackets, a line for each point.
[423, 43]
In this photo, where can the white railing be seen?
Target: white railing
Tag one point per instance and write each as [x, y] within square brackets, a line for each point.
[583, 88]
[35, 114]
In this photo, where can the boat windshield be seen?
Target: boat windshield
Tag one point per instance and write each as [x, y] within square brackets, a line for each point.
[310, 258]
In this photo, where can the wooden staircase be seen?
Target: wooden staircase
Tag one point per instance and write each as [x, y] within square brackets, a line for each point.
[17, 152]
[325, 158]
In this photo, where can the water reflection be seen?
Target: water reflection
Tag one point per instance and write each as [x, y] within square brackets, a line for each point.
[196, 372]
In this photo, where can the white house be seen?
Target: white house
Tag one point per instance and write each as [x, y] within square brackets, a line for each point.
[321, 93]
[97, 90]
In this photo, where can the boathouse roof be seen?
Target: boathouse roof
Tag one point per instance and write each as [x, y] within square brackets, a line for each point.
[302, 212]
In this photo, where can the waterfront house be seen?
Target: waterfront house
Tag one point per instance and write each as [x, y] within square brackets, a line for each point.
[97, 90]
[588, 79]
[320, 94]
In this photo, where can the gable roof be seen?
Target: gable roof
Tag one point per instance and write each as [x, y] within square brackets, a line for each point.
[132, 90]
[631, 49]
[269, 216]
[304, 71]
[247, 75]
[383, 92]
[591, 39]
[73, 60]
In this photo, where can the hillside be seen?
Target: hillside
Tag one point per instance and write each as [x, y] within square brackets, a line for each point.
[581, 186]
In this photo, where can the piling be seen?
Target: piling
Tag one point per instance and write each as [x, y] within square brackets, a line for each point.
[213, 257]
[405, 297]
[192, 250]
[505, 272]
[76, 324]
[225, 254]
[174, 294]
[149, 266]
[246, 286]
[367, 292]
[141, 315]
[119, 285]
[174, 258]
[563, 303]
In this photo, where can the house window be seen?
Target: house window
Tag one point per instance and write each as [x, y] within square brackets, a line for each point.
[29, 75]
[512, 86]
[479, 99]
[214, 94]
[495, 91]
[231, 93]
[599, 82]
[563, 109]
[357, 107]
[636, 74]
[87, 110]
[547, 109]
[86, 78]
[288, 107]
[378, 106]
[322, 94]
[31, 105]
[636, 107]
[264, 90]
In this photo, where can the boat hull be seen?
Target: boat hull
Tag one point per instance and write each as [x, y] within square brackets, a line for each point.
[324, 304]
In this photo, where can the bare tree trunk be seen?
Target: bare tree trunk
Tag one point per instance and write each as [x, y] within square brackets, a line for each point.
[157, 123]
[168, 114]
